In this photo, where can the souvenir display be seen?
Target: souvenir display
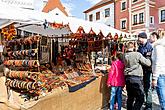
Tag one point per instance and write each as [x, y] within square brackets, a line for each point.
[73, 69]
[23, 75]
[9, 32]
[22, 63]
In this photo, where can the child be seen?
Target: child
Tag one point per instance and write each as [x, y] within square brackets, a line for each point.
[116, 81]
[134, 77]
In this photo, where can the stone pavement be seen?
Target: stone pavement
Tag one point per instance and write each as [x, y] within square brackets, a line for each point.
[156, 105]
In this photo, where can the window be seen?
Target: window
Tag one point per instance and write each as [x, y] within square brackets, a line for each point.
[123, 6]
[123, 24]
[134, 1]
[141, 18]
[151, 19]
[91, 17]
[98, 16]
[135, 19]
[163, 15]
[107, 12]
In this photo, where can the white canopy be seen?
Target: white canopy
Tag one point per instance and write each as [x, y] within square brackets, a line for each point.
[46, 32]
[75, 23]
[15, 14]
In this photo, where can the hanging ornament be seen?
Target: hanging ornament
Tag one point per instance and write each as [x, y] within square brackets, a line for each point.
[80, 30]
[79, 33]
[91, 35]
[100, 35]
[116, 36]
[125, 36]
[120, 38]
[109, 36]
[9, 32]
[56, 25]
[91, 32]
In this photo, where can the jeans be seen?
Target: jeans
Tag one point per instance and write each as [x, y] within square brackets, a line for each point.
[135, 92]
[161, 91]
[116, 92]
[147, 79]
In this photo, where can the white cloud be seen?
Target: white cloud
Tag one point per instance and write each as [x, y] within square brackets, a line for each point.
[93, 1]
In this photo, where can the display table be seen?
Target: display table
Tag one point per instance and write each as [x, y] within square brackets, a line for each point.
[92, 97]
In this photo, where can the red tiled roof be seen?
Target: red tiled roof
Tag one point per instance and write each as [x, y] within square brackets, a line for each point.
[98, 5]
[52, 4]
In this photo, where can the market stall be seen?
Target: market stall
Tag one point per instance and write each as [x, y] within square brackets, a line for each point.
[37, 71]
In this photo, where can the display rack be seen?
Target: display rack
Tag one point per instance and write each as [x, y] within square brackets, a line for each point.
[22, 60]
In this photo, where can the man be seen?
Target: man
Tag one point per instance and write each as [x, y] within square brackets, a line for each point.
[158, 66]
[154, 37]
[134, 77]
[145, 48]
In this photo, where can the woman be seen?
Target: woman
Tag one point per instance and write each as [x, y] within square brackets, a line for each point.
[158, 69]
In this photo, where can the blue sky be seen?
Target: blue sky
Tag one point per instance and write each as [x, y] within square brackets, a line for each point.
[76, 7]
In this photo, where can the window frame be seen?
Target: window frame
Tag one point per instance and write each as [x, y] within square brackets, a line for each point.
[122, 9]
[141, 18]
[107, 11]
[162, 20]
[91, 17]
[153, 20]
[135, 23]
[160, 16]
[122, 26]
[97, 18]
[133, 1]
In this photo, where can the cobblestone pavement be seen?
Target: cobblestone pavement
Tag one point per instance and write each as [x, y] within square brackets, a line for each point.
[156, 105]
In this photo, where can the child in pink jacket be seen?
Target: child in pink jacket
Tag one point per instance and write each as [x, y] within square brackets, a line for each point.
[116, 81]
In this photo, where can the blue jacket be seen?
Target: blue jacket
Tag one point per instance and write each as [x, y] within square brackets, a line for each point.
[146, 49]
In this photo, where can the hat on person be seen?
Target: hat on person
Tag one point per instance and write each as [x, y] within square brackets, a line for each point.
[142, 35]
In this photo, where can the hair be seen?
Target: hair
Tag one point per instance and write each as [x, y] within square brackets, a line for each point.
[113, 58]
[162, 34]
[155, 34]
[142, 35]
[130, 45]
[119, 56]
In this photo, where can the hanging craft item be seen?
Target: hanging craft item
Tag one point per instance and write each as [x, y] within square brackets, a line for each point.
[116, 37]
[91, 35]
[90, 40]
[120, 38]
[109, 36]
[100, 35]
[21, 53]
[56, 25]
[91, 32]
[22, 84]
[80, 32]
[20, 63]
[125, 36]
[23, 75]
[9, 32]
[28, 40]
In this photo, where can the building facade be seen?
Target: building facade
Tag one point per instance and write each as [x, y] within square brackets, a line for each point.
[134, 16]
[55, 7]
[159, 14]
[101, 12]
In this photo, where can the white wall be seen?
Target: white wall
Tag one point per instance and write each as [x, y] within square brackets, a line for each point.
[57, 11]
[107, 20]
